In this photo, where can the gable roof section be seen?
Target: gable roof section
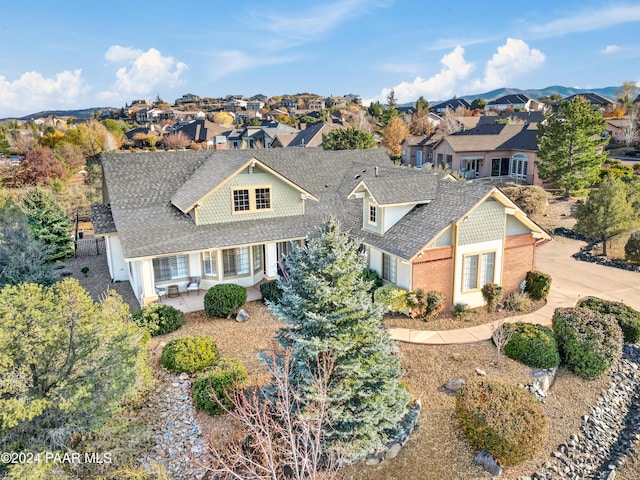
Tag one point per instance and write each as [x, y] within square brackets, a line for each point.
[400, 190]
[452, 104]
[494, 136]
[512, 99]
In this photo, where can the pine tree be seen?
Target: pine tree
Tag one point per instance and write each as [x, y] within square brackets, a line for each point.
[329, 311]
[49, 224]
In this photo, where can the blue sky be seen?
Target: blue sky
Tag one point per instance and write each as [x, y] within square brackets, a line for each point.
[79, 54]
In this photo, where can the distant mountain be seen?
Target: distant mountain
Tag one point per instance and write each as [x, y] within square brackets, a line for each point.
[81, 114]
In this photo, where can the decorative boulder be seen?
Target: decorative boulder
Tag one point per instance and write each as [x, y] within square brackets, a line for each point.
[454, 384]
[242, 316]
[490, 464]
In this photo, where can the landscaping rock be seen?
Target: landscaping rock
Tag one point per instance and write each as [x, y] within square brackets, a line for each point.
[242, 316]
[480, 372]
[454, 384]
[490, 464]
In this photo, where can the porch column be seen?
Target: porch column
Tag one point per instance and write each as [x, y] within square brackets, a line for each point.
[271, 260]
[149, 294]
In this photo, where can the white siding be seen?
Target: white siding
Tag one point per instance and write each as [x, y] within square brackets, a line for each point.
[393, 214]
[375, 260]
[475, 299]
[115, 259]
[403, 275]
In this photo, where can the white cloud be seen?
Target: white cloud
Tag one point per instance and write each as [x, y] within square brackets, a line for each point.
[512, 60]
[589, 20]
[441, 85]
[610, 49]
[231, 61]
[32, 91]
[144, 74]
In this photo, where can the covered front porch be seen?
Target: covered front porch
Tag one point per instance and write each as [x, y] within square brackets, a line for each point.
[194, 301]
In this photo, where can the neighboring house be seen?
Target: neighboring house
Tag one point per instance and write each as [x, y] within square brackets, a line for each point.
[353, 98]
[258, 136]
[202, 131]
[513, 118]
[594, 99]
[495, 151]
[311, 136]
[234, 104]
[316, 105]
[616, 127]
[417, 151]
[255, 105]
[230, 217]
[188, 98]
[335, 102]
[514, 102]
[452, 104]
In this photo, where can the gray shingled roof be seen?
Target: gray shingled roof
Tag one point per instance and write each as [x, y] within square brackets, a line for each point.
[102, 219]
[494, 136]
[141, 185]
[394, 190]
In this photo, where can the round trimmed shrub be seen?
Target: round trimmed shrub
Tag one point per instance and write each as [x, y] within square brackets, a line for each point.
[221, 379]
[632, 248]
[224, 300]
[627, 317]
[270, 291]
[589, 342]
[537, 285]
[370, 275]
[530, 199]
[394, 299]
[190, 354]
[492, 294]
[533, 345]
[518, 302]
[502, 419]
[158, 318]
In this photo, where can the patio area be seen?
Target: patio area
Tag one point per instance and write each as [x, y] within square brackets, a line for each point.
[194, 301]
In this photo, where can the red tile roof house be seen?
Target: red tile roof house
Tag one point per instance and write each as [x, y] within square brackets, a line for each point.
[494, 151]
[230, 216]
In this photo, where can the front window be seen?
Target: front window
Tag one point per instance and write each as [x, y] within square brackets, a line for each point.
[170, 268]
[263, 198]
[251, 199]
[209, 264]
[241, 200]
[519, 164]
[373, 214]
[388, 268]
[235, 261]
[478, 270]
[257, 257]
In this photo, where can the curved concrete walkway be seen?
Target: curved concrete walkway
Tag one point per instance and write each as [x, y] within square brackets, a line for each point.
[571, 280]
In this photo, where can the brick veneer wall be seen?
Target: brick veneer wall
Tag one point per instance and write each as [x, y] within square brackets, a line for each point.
[519, 253]
[434, 271]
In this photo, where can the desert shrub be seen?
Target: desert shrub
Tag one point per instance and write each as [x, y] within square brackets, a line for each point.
[372, 276]
[518, 302]
[428, 304]
[224, 299]
[463, 312]
[158, 318]
[530, 199]
[538, 284]
[502, 419]
[270, 291]
[393, 298]
[221, 378]
[616, 169]
[190, 354]
[590, 343]
[492, 293]
[632, 248]
[533, 345]
[627, 317]
[636, 167]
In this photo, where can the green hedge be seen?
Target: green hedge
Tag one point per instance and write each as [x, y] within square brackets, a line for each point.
[538, 284]
[533, 345]
[158, 318]
[627, 317]
[372, 276]
[189, 354]
[224, 299]
[221, 378]
[590, 343]
[394, 299]
[502, 419]
[632, 248]
[270, 291]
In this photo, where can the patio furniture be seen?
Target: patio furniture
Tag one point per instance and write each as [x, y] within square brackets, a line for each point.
[194, 284]
[174, 291]
[161, 292]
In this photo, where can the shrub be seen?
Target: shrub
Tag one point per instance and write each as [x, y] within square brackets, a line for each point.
[224, 299]
[189, 354]
[221, 378]
[632, 248]
[393, 298]
[589, 342]
[627, 317]
[463, 312]
[372, 276]
[538, 285]
[530, 199]
[533, 345]
[616, 169]
[518, 302]
[158, 318]
[270, 291]
[502, 419]
[427, 304]
[636, 167]
[492, 293]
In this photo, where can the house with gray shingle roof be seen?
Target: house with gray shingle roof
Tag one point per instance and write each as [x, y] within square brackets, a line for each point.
[230, 216]
[495, 151]
[514, 102]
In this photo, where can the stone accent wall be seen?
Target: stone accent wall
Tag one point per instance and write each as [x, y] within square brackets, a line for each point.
[519, 253]
[434, 271]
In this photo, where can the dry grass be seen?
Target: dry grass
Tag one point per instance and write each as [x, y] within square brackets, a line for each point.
[437, 450]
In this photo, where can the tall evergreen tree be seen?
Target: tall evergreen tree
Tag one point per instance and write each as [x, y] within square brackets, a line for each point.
[570, 145]
[329, 311]
[49, 223]
[350, 138]
[390, 111]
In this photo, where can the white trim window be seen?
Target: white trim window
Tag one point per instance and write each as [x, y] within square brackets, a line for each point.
[373, 215]
[209, 264]
[235, 261]
[257, 257]
[170, 268]
[388, 268]
[519, 165]
[478, 270]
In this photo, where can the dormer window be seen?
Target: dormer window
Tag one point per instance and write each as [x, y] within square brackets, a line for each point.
[251, 199]
[373, 215]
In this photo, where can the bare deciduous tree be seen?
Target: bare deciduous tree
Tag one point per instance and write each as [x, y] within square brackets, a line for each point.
[450, 123]
[176, 141]
[629, 129]
[500, 336]
[283, 439]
